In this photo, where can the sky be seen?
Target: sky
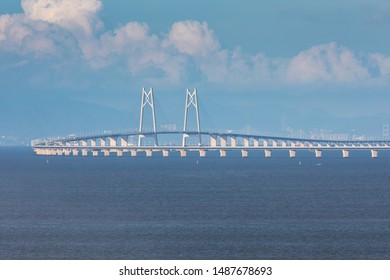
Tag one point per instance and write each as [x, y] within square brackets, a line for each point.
[78, 66]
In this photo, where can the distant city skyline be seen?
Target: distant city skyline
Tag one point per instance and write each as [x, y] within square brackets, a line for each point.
[271, 66]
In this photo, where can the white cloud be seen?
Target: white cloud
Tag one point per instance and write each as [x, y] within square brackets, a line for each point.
[382, 63]
[4, 23]
[69, 27]
[328, 63]
[76, 15]
[192, 38]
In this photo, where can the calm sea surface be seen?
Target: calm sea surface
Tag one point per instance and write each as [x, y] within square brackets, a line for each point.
[191, 208]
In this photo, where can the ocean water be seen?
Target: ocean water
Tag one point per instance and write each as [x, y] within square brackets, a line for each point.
[192, 208]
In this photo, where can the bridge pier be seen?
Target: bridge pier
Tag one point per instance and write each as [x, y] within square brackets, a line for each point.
[165, 153]
[133, 153]
[345, 154]
[202, 153]
[374, 153]
[75, 152]
[95, 153]
[106, 153]
[183, 153]
[84, 152]
[119, 153]
[267, 153]
[222, 153]
[318, 153]
[149, 153]
[244, 153]
[66, 152]
[292, 153]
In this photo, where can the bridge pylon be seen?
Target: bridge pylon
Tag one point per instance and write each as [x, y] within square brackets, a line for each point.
[191, 100]
[147, 100]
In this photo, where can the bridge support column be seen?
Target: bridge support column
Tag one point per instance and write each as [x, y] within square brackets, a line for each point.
[184, 141]
[133, 153]
[202, 153]
[149, 153]
[102, 142]
[244, 153]
[222, 153]
[183, 153]
[223, 141]
[233, 142]
[292, 153]
[165, 153]
[106, 153]
[66, 152]
[111, 142]
[84, 152]
[122, 142]
[374, 153]
[246, 142]
[213, 140]
[119, 153]
[345, 154]
[318, 153]
[75, 152]
[95, 153]
[267, 153]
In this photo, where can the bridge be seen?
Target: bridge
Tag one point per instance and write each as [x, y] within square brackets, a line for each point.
[134, 143]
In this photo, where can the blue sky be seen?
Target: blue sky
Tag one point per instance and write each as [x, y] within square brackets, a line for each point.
[271, 66]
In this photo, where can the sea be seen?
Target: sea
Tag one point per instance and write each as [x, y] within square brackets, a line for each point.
[155, 208]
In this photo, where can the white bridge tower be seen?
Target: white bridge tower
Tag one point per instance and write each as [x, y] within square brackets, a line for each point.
[147, 100]
[191, 100]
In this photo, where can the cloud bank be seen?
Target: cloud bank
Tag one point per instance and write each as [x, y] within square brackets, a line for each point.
[72, 29]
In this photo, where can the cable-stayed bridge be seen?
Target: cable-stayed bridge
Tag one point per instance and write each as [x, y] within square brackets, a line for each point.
[182, 141]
